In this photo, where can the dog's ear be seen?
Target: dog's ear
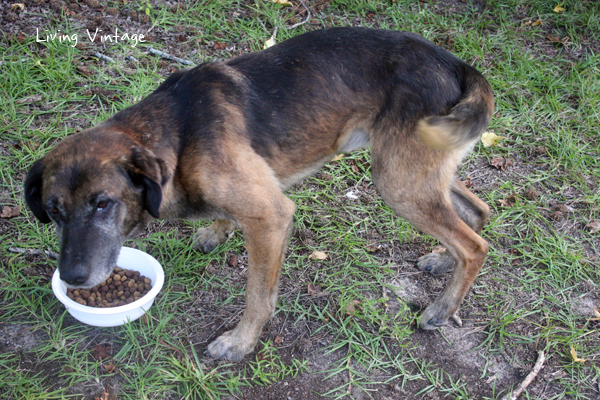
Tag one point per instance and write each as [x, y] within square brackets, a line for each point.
[147, 171]
[33, 191]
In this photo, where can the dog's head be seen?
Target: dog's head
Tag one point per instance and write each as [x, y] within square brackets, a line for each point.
[98, 187]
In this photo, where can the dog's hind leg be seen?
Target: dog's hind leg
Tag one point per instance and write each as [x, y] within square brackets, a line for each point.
[207, 239]
[472, 211]
[415, 181]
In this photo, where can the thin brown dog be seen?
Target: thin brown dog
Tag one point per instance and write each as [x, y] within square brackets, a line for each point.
[224, 140]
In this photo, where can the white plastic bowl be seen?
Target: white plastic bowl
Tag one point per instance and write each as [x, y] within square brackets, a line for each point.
[114, 316]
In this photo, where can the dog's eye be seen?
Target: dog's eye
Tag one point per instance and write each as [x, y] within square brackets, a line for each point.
[54, 211]
[102, 205]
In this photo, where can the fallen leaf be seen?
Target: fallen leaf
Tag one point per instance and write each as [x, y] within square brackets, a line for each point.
[100, 352]
[219, 46]
[557, 215]
[537, 23]
[468, 182]
[109, 368]
[318, 255]
[351, 307]
[232, 260]
[282, 2]
[104, 396]
[271, 41]
[575, 358]
[338, 157]
[10, 212]
[373, 247]
[30, 99]
[16, 6]
[313, 289]
[559, 8]
[597, 314]
[278, 340]
[593, 226]
[531, 194]
[557, 39]
[499, 163]
[509, 201]
[490, 139]
[84, 71]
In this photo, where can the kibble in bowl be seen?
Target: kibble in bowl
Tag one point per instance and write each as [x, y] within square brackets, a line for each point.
[132, 287]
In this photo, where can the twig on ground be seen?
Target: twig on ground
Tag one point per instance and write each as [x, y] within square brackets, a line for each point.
[162, 54]
[131, 58]
[303, 22]
[104, 58]
[33, 252]
[528, 379]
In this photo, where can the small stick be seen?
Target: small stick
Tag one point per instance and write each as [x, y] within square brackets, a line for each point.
[131, 58]
[162, 54]
[103, 57]
[528, 379]
[33, 252]
[303, 22]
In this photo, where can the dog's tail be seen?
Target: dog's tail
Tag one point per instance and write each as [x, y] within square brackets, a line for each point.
[467, 120]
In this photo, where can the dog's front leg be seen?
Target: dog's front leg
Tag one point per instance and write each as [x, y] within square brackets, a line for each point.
[266, 237]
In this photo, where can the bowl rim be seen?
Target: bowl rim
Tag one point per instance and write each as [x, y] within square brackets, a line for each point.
[156, 287]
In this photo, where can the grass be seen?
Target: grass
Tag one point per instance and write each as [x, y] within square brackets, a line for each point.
[536, 292]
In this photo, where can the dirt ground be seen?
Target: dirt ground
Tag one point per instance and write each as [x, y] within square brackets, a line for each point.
[461, 351]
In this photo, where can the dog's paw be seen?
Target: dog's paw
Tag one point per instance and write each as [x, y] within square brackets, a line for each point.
[433, 317]
[436, 264]
[230, 346]
[206, 239]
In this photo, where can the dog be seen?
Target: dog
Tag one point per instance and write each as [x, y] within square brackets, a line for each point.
[225, 139]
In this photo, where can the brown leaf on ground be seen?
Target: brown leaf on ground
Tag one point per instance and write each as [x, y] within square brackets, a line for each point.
[557, 215]
[499, 163]
[109, 368]
[351, 307]
[232, 260]
[593, 226]
[373, 247]
[531, 194]
[558, 39]
[468, 182]
[101, 352]
[509, 201]
[313, 289]
[10, 212]
[84, 71]
[278, 340]
[219, 46]
[106, 395]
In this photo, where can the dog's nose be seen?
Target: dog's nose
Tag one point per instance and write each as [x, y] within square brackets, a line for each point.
[75, 276]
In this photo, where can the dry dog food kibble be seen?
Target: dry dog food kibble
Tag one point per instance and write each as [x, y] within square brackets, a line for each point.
[124, 286]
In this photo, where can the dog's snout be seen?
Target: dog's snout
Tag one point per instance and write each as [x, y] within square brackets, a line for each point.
[76, 276]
